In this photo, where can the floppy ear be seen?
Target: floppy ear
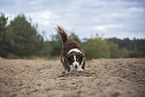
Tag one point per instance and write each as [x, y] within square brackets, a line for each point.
[82, 55]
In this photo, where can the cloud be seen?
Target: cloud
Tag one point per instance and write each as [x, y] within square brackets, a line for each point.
[85, 16]
[109, 26]
[42, 17]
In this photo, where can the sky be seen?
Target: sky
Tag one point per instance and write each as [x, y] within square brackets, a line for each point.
[107, 18]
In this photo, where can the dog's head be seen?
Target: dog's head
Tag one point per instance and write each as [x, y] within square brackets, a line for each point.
[76, 60]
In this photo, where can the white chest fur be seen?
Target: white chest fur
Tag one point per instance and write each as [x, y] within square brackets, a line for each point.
[74, 50]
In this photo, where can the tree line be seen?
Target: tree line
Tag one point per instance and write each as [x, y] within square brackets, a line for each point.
[20, 39]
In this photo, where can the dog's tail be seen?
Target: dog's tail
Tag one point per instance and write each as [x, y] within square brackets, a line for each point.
[62, 33]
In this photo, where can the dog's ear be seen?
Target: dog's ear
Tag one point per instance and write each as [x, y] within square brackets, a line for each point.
[68, 55]
[82, 55]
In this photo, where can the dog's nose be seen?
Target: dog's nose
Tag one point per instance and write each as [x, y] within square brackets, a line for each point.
[76, 66]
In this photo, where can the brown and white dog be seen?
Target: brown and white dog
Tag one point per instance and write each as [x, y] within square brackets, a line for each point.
[72, 54]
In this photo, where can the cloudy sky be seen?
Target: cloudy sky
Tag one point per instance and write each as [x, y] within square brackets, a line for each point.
[108, 18]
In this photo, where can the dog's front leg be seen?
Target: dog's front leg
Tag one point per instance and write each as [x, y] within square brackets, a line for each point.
[64, 70]
[66, 67]
[65, 63]
[83, 65]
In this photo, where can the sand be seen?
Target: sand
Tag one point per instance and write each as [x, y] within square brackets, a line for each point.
[105, 78]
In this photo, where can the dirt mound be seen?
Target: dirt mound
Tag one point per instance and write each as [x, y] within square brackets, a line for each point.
[78, 73]
[104, 78]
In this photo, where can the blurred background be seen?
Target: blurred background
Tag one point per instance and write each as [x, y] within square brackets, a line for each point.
[104, 28]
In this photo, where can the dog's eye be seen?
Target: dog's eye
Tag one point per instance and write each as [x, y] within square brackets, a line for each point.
[78, 57]
[71, 59]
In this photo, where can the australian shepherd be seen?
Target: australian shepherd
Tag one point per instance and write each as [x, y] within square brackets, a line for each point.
[72, 54]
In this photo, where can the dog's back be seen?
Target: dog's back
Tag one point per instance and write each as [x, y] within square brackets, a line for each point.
[67, 44]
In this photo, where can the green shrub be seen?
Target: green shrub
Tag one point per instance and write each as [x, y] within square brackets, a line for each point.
[96, 48]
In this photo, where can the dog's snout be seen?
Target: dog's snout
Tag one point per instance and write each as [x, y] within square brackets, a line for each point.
[76, 66]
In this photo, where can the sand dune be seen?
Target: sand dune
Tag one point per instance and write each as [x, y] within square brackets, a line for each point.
[105, 78]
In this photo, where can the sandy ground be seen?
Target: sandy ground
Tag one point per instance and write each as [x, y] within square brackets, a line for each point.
[39, 78]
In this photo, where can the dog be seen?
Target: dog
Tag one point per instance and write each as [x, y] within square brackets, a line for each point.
[72, 55]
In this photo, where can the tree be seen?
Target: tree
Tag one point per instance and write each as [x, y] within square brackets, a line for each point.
[46, 51]
[3, 27]
[55, 45]
[128, 48]
[96, 48]
[25, 39]
[115, 52]
[4, 36]
[75, 37]
[113, 48]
